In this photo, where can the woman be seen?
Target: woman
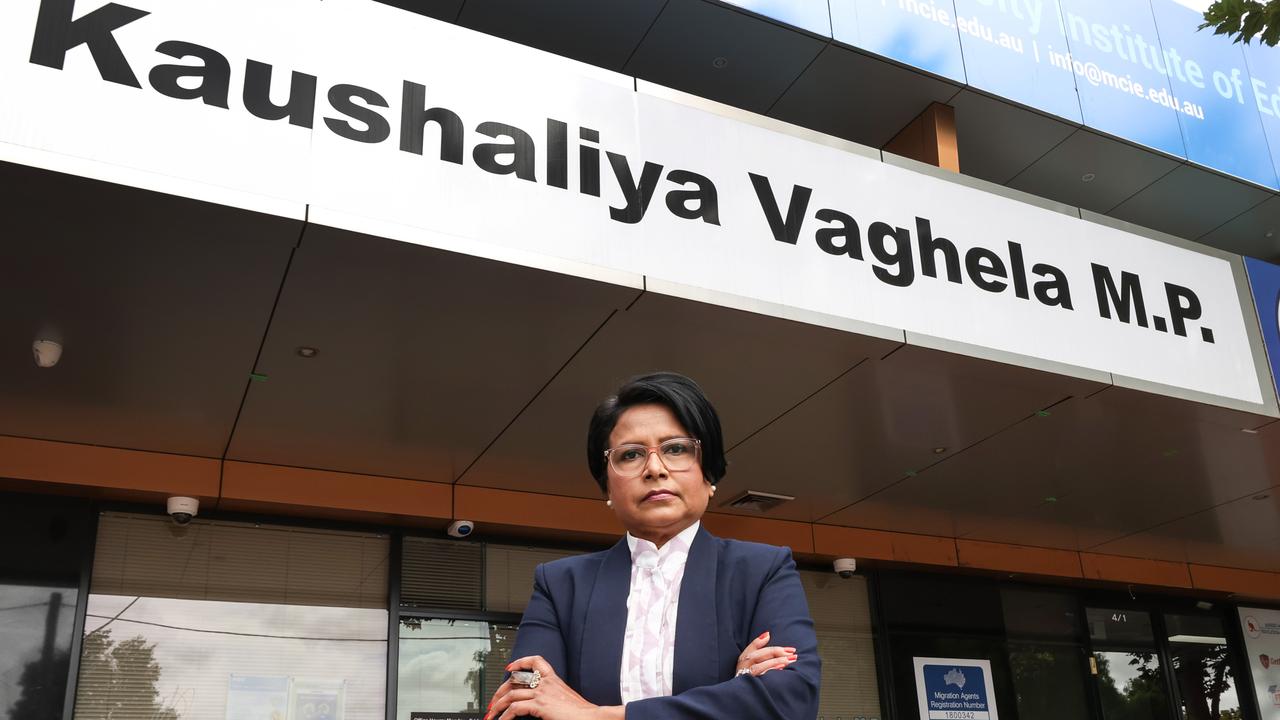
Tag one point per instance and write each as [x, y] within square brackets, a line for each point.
[671, 622]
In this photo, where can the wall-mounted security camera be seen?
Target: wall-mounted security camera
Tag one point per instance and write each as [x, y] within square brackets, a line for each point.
[182, 509]
[461, 528]
[46, 352]
[845, 567]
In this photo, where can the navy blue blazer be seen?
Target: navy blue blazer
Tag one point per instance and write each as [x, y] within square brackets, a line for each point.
[731, 593]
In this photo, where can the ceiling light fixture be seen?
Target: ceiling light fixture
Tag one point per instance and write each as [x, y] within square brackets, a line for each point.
[720, 63]
[307, 352]
[1088, 177]
[939, 450]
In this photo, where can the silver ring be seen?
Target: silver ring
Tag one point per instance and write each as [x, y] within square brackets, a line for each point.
[526, 678]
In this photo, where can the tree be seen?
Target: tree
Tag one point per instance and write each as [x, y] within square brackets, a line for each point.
[43, 682]
[118, 680]
[1244, 20]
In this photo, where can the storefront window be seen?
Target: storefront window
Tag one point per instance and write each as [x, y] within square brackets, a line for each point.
[450, 667]
[226, 621]
[842, 620]
[1203, 668]
[38, 592]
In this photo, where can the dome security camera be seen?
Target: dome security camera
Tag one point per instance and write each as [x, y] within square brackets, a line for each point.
[47, 352]
[461, 528]
[182, 509]
[845, 567]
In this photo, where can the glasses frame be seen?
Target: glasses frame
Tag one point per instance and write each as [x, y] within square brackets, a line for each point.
[651, 449]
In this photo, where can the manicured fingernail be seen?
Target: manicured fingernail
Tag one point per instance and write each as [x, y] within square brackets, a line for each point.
[791, 659]
[763, 635]
[791, 651]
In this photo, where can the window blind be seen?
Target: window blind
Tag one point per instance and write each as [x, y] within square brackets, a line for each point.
[508, 575]
[842, 619]
[441, 574]
[149, 556]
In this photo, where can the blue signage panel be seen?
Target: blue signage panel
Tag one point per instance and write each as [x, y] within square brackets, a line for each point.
[811, 15]
[1211, 86]
[1264, 90]
[1113, 50]
[1136, 69]
[955, 690]
[1010, 48]
[921, 33]
[1264, 281]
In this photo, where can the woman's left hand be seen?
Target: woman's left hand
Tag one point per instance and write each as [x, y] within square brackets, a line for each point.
[551, 700]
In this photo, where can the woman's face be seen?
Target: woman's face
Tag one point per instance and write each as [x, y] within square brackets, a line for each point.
[658, 503]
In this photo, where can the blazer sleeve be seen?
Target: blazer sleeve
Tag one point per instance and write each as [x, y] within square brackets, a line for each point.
[539, 632]
[787, 694]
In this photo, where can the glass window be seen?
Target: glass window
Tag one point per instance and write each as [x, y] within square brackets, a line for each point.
[1118, 626]
[229, 621]
[1039, 613]
[38, 593]
[928, 602]
[1203, 668]
[842, 619]
[1131, 685]
[1048, 681]
[450, 666]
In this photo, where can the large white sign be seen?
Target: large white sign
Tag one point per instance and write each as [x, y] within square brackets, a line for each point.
[1262, 643]
[376, 118]
[955, 689]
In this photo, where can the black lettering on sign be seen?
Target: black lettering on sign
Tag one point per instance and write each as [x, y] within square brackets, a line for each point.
[56, 33]
[1126, 301]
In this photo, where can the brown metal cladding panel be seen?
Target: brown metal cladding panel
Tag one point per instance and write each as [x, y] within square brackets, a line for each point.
[1243, 583]
[91, 466]
[1135, 570]
[279, 485]
[795, 535]
[534, 510]
[1018, 558]
[860, 543]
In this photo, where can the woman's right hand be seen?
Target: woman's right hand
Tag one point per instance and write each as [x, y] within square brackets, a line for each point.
[759, 657]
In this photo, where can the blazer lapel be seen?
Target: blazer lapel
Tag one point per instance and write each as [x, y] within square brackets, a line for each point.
[606, 624]
[697, 631]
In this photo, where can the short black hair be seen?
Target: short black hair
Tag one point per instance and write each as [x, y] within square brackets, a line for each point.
[677, 393]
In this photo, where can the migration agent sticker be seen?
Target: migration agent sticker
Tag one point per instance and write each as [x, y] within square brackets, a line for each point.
[955, 689]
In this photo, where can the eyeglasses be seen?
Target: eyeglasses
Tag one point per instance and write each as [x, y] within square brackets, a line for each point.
[676, 454]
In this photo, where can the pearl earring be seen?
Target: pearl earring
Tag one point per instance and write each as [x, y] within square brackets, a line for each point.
[608, 503]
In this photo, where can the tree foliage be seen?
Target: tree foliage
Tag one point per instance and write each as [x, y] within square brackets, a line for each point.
[118, 680]
[1244, 20]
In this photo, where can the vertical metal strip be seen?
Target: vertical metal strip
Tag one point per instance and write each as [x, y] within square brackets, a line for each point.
[883, 656]
[393, 623]
[82, 609]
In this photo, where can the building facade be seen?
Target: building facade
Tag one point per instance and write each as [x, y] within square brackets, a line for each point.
[966, 280]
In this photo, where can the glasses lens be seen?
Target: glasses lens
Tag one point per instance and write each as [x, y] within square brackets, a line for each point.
[679, 453]
[628, 460]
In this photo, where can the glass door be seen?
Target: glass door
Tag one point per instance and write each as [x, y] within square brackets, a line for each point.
[1126, 666]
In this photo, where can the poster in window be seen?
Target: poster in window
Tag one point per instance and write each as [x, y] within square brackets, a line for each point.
[955, 689]
[257, 697]
[317, 699]
[1261, 628]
